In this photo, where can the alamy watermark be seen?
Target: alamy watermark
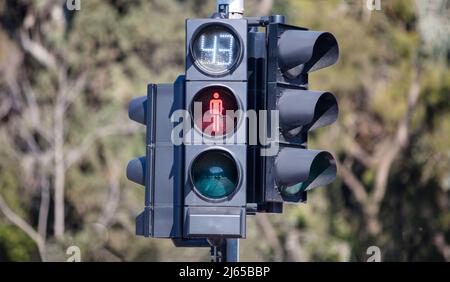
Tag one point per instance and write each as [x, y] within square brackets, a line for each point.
[74, 254]
[373, 5]
[73, 5]
[214, 128]
[374, 254]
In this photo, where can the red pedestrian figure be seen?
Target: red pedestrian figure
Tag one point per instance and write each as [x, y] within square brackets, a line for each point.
[215, 109]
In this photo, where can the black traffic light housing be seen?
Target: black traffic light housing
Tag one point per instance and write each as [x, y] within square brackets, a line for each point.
[292, 53]
[160, 170]
[215, 164]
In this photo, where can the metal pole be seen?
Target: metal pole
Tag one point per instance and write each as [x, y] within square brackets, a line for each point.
[232, 250]
[218, 249]
[224, 250]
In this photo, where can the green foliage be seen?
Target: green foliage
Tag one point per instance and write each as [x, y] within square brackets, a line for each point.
[15, 245]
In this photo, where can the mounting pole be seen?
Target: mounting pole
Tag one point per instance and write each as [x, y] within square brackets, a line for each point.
[224, 250]
[232, 250]
[233, 9]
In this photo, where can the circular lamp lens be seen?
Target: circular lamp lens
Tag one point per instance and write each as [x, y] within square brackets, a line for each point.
[319, 166]
[292, 190]
[214, 111]
[216, 50]
[215, 174]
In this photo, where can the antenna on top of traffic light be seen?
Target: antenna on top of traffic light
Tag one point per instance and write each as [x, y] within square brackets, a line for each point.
[232, 9]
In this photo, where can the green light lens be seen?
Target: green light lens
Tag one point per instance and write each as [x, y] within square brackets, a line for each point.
[292, 190]
[318, 167]
[215, 174]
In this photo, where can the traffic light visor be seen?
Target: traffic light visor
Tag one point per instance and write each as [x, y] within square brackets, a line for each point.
[301, 51]
[136, 170]
[307, 109]
[299, 170]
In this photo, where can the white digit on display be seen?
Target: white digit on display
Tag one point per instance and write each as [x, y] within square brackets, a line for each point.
[211, 51]
[215, 50]
[228, 51]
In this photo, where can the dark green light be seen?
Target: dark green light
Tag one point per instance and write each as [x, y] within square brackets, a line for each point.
[318, 168]
[215, 174]
[293, 190]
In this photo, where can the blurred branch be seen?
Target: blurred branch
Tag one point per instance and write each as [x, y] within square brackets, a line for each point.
[362, 198]
[123, 219]
[381, 162]
[74, 89]
[37, 51]
[271, 235]
[24, 226]
[44, 208]
[117, 128]
[31, 117]
[112, 202]
[294, 250]
[58, 153]
[48, 59]
[5, 105]
[354, 185]
[358, 153]
[391, 149]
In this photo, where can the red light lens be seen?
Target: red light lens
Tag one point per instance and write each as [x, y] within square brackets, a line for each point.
[213, 110]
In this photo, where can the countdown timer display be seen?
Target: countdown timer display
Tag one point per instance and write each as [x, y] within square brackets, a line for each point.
[216, 49]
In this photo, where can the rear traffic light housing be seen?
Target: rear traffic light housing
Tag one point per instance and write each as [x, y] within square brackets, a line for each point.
[292, 53]
[300, 110]
[160, 170]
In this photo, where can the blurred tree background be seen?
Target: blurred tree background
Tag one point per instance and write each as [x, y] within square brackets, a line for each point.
[66, 78]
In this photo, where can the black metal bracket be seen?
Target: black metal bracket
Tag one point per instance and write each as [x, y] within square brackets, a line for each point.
[265, 20]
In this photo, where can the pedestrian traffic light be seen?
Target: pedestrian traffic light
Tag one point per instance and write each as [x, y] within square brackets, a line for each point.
[292, 53]
[215, 145]
[203, 187]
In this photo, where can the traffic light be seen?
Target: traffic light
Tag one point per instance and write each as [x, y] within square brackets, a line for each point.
[160, 170]
[204, 186]
[215, 144]
[292, 53]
